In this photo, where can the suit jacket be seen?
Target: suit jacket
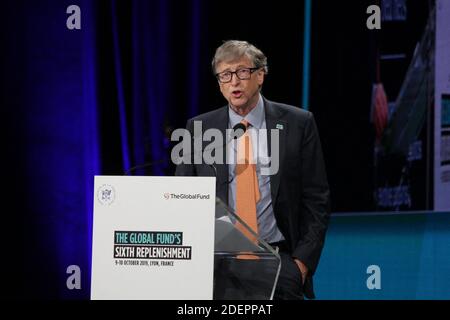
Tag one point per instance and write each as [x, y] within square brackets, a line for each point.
[300, 193]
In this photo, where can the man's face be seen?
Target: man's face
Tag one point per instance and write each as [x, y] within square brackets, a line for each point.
[241, 94]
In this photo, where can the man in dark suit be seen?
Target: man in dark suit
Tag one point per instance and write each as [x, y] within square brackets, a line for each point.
[292, 204]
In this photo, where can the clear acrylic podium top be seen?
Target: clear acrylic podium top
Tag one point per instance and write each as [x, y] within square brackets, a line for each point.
[244, 268]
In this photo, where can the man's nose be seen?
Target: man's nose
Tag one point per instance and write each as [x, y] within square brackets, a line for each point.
[234, 79]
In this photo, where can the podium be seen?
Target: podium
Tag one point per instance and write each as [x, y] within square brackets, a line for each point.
[243, 268]
[171, 238]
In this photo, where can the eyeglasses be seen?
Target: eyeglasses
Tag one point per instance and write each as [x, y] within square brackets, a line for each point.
[242, 74]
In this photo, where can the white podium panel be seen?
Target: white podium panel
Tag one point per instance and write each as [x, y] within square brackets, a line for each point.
[153, 237]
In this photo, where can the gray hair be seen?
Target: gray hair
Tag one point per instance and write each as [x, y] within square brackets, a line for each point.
[234, 49]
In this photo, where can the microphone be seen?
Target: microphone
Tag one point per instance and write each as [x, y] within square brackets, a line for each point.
[237, 131]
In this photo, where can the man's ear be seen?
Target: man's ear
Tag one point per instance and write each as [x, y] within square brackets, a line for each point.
[260, 76]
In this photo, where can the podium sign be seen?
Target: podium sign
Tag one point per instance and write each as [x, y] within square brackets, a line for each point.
[153, 238]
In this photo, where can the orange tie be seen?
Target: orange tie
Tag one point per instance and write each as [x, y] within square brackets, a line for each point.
[247, 188]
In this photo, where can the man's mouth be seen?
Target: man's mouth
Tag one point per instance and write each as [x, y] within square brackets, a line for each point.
[236, 93]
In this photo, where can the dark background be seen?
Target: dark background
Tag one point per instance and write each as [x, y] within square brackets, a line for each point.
[99, 100]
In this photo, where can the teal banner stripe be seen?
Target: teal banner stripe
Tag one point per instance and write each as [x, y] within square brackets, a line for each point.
[306, 54]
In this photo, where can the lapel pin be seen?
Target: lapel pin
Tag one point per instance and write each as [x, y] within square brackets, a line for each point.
[280, 126]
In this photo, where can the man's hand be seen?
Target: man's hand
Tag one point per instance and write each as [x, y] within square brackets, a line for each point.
[303, 269]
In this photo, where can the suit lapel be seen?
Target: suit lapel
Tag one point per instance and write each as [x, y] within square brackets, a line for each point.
[221, 123]
[273, 122]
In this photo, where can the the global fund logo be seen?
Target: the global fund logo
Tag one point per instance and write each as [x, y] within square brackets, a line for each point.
[186, 196]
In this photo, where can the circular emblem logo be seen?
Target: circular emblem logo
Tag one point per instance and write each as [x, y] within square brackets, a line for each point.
[166, 196]
[106, 194]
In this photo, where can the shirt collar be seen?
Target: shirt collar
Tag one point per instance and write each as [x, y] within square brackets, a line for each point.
[255, 117]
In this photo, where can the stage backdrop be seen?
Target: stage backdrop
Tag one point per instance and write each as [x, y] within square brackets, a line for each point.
[403, 256]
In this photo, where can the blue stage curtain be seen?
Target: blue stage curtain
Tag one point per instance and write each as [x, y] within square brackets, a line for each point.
[79, 103]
